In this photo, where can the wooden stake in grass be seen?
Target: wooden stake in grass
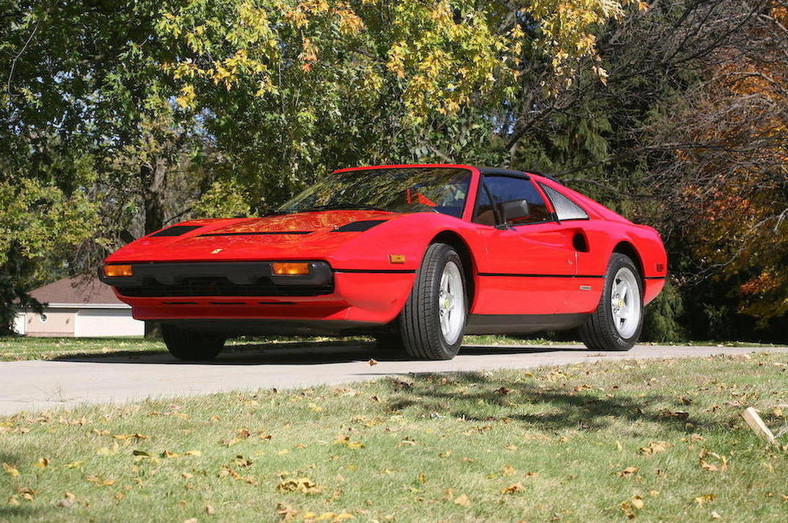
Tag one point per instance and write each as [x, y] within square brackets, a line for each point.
[757, 425]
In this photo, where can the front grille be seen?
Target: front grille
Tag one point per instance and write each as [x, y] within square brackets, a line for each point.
[217, 286]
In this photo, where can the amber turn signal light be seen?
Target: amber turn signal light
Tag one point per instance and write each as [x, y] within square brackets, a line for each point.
[114, 271]
[290, 269]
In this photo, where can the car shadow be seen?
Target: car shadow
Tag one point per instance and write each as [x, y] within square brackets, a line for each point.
[302, 353]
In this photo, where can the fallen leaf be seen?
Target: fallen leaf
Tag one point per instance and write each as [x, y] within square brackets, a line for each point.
[140, 453]
[11, 471]
[372, 362]
[462, 500]
[512, 489]
[700, 500]
[27, 493]
[715, 515]
[286, 512]
[304, 485]
[637, 502]
[209, 509]
[75, 464]
[627, 472]
[508, 470]
[655, 447]
[42, 463]
[192, 453]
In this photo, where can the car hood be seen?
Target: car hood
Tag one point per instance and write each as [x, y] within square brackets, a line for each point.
[311, 235]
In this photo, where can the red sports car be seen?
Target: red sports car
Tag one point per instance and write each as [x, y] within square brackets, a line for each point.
[417, 255]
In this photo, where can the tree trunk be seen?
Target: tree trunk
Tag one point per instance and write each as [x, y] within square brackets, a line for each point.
[153, 176]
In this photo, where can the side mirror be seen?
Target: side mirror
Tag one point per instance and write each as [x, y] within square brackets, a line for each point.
[514, 210]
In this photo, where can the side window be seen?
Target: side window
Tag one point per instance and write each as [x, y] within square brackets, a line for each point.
[565, 209]
[485, 214]
[507, 188]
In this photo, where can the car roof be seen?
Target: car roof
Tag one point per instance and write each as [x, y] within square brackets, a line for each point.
[494, 171]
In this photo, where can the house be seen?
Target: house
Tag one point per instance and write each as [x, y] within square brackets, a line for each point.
[81, 307]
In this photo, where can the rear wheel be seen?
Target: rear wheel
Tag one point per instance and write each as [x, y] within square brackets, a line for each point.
[618, 320]
[433, 319]
[191, 346]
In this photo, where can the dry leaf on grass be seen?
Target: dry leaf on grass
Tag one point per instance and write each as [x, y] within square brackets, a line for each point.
[286, 512]
[628, 472]
[11, 470]
[462, 500]
[512, 489]
[655, 447]
[304, 485]
[700, 500]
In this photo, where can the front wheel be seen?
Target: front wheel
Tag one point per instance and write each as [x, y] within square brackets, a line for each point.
[433, 319]
[191, 346]
[618, 320]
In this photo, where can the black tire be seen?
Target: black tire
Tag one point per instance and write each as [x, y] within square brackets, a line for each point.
[420, 320]
[600, 331]
[191, 346]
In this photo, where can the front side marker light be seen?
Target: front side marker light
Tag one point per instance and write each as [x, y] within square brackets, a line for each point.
[396, 258]
[290, 269]
[115, 271]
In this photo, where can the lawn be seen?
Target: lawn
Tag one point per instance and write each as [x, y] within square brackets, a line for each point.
[18, 348]
[658, 440]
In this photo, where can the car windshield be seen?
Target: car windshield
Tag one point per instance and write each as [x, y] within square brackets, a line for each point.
[411, 189]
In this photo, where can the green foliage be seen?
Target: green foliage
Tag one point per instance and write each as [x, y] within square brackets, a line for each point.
[223, 199]
[662, 321]
[39, 225]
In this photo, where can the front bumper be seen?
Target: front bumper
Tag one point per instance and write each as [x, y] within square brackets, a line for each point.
[188, 291]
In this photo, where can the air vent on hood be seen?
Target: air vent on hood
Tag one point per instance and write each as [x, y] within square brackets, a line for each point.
[359, 226]
[175, 230]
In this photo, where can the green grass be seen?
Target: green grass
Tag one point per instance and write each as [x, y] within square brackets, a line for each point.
[18, 348]
[554, 444]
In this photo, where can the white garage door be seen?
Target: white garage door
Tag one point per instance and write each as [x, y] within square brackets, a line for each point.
[107, 322]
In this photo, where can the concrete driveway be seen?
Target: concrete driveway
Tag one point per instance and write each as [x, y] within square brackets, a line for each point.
[44, 385]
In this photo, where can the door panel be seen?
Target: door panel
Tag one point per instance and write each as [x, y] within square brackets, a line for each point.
[529, 269]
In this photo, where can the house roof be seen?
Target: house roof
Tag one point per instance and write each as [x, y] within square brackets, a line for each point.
[77, 291]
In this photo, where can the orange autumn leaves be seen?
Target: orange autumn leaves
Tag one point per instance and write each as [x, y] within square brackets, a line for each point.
[735, 200]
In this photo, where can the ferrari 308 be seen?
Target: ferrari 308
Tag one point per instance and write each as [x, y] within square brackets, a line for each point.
[415, 255]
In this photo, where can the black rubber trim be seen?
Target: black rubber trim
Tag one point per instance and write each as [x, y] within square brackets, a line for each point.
[359, 226]
[514, 275]
[375, 271]
[654, 277]
[175, 230]
[266, 233]
[521, 323]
